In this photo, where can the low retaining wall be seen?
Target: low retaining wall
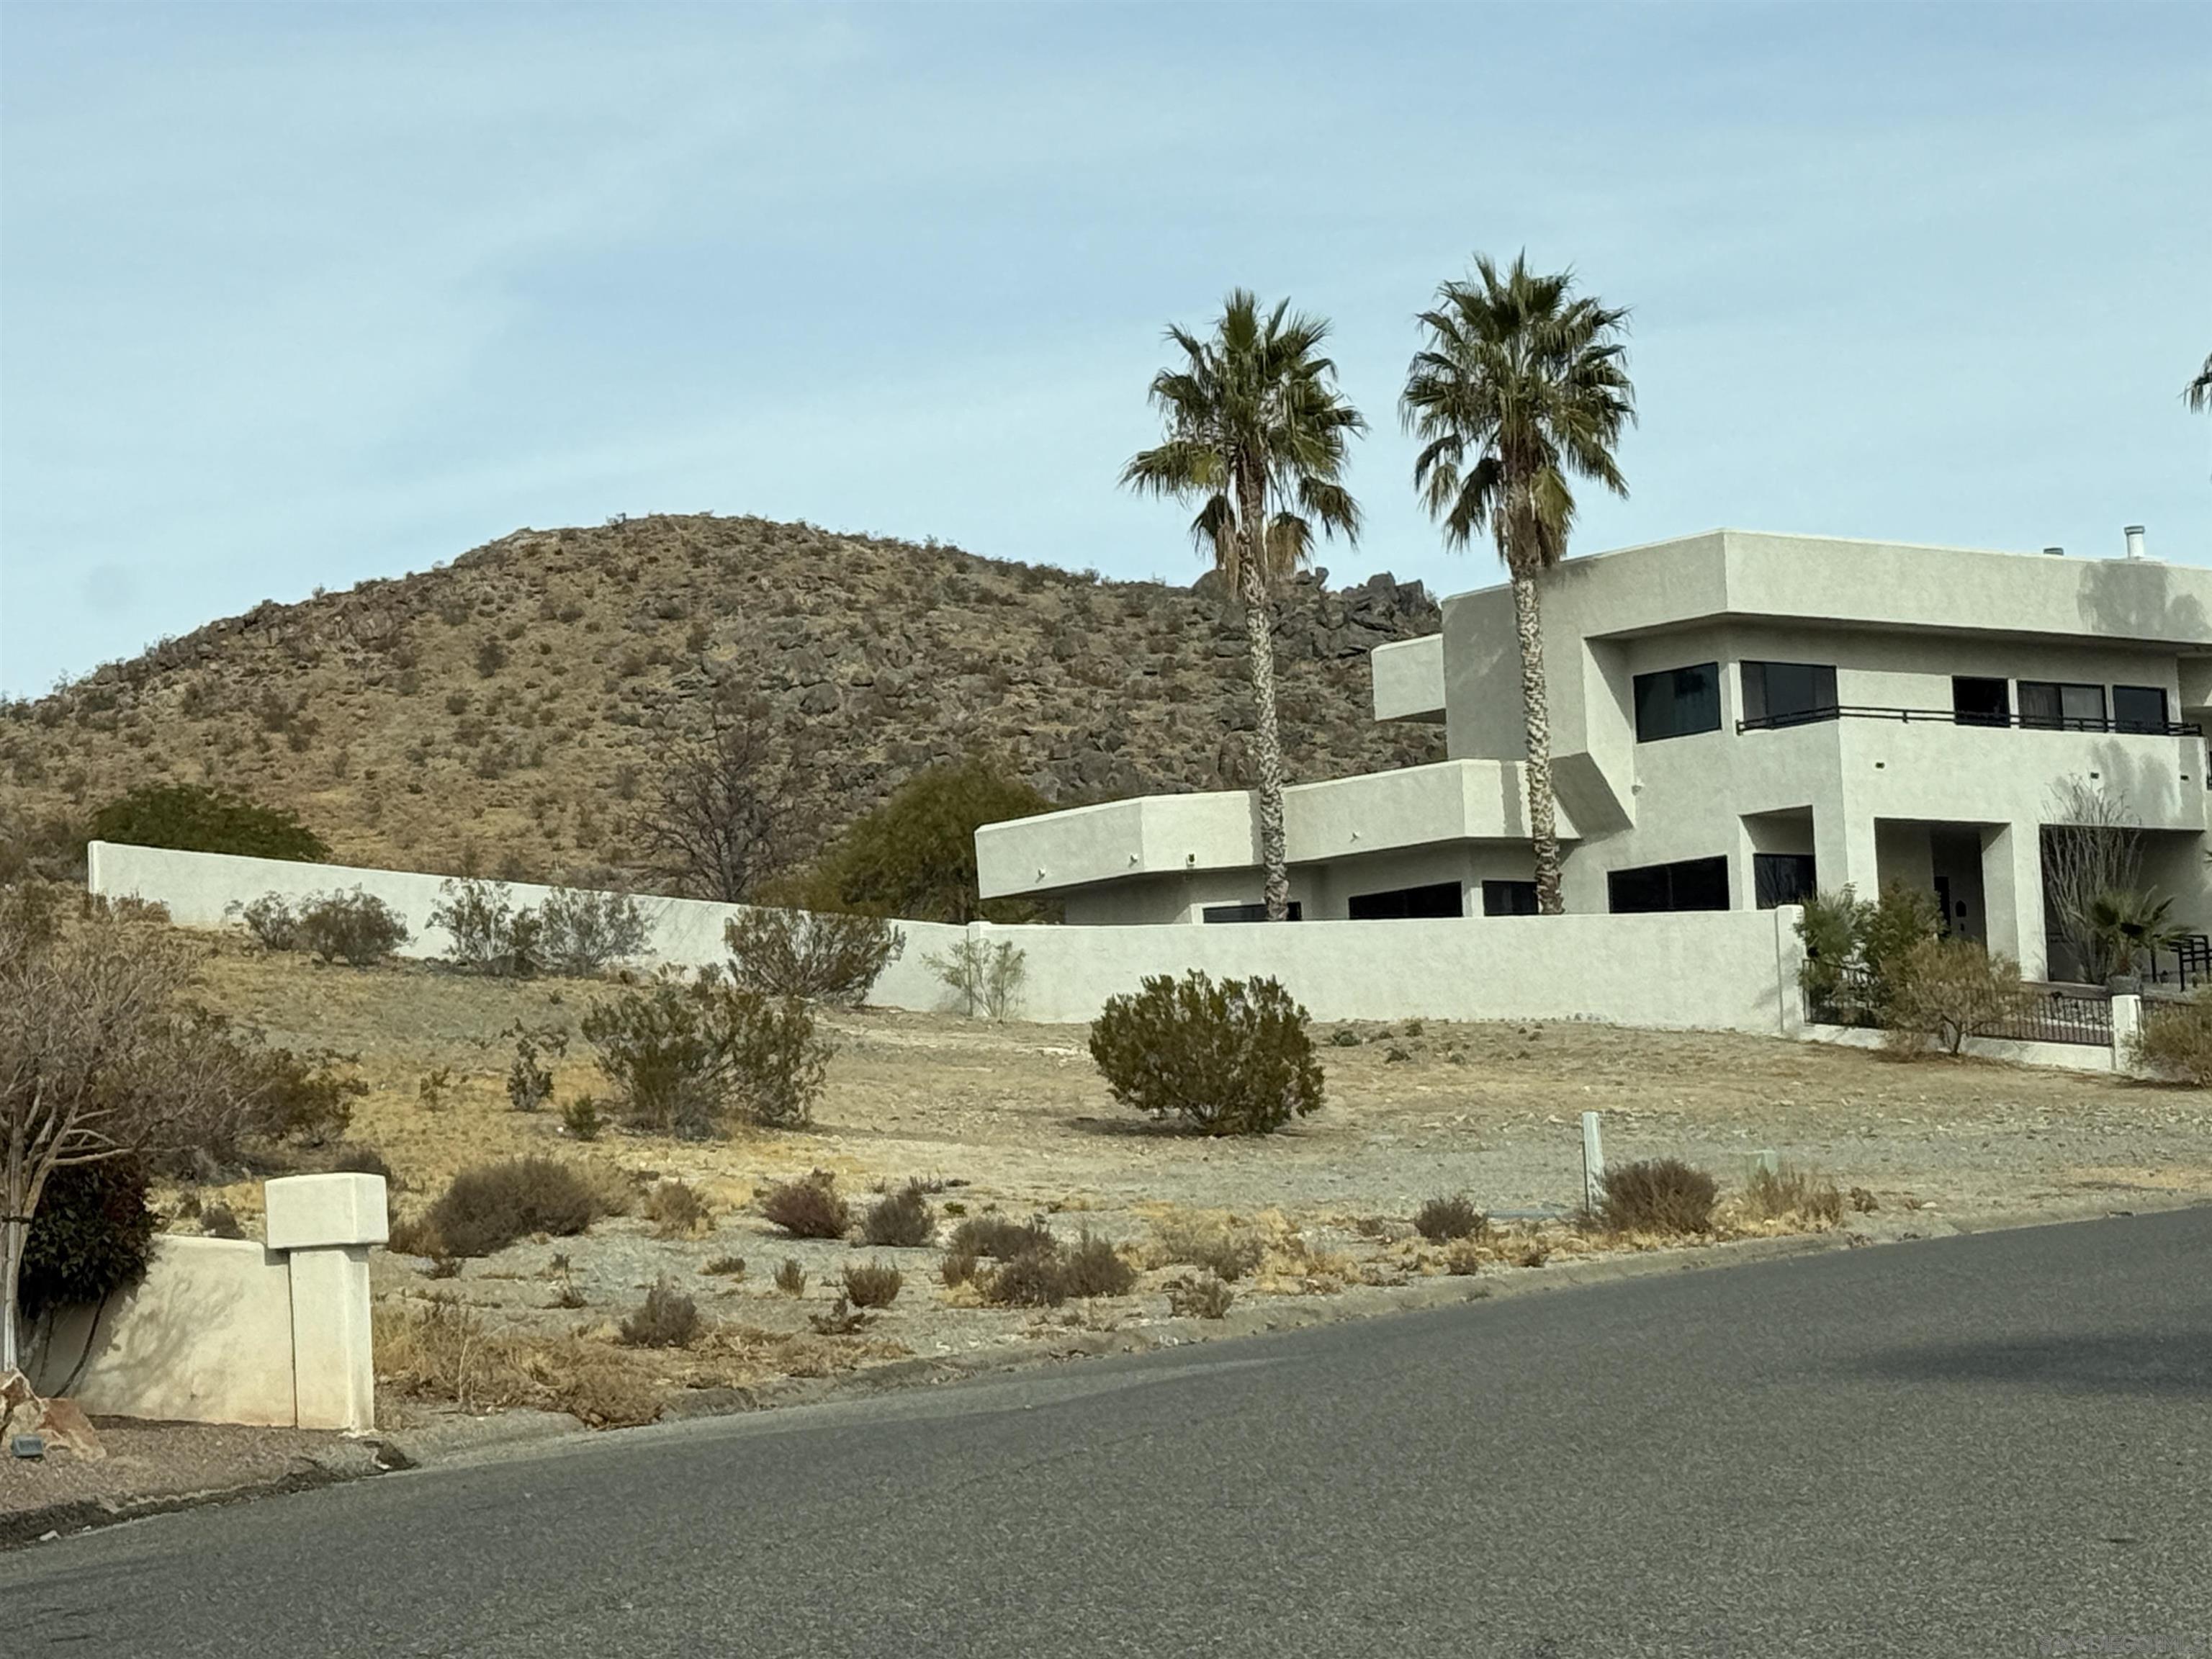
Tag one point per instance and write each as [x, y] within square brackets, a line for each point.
[2056, 1056]
[227, 1330]
[1734, 970]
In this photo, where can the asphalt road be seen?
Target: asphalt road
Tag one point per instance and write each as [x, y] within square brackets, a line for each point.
[1993, 1445]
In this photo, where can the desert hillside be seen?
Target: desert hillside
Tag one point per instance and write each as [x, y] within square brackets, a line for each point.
[501, 713]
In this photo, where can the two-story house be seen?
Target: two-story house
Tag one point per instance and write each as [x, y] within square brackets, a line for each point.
[1736, 719]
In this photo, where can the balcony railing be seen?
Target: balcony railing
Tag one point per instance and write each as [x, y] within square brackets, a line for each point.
[1961, 717]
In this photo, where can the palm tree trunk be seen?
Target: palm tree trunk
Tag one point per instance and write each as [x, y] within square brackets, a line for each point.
[1268, 741]
[1543, 819]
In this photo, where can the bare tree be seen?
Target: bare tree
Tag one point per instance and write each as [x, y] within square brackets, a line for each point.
[86, 1014]
[2091, 847]
[722, 813]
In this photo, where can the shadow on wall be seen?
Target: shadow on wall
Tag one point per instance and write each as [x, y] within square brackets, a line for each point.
[2166, 1364]
[2135, 599]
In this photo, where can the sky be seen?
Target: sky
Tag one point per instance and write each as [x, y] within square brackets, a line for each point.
[299, 296]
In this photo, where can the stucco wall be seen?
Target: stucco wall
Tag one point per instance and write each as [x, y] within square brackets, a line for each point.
[205, 1337]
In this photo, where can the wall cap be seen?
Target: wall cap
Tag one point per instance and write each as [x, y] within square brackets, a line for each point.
[316, 1211]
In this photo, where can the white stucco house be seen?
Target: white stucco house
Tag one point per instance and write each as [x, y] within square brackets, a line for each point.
[1737, 719]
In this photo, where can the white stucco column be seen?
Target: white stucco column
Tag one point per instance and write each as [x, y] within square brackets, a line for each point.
[2127, 1032]
[1842, 852]
[2012, 892]
[325, 1224]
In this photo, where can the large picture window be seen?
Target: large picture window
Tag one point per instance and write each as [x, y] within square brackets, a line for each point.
[1677, 702]
[1509, 898]
[1788, 693]
[2050, 706]
[1405, 903]
[1691, 884]
[2139, 707]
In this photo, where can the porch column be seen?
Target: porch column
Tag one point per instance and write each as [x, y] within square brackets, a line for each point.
[1843, 853]
[2012, 892]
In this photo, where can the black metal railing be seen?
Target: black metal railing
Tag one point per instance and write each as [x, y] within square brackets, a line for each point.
[2184, 965]
[2046, 1016]
[1962, 717]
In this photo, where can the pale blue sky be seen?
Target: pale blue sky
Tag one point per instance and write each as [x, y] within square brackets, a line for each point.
[313, 293]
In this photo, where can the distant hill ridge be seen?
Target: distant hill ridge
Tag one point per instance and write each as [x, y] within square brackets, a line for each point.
[500, 713]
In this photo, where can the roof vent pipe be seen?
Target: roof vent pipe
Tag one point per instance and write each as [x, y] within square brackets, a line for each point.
[2055, 552]
[2135, 535]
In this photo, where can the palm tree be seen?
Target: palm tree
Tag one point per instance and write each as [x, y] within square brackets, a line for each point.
[1519, 382]
[2198, 391]
[1256, 435]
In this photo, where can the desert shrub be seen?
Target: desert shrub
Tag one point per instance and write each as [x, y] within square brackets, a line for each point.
[1035, 1278]
[581, 1118]
[1463, 1258]
[354, 928]
[809, 1207]
[725, 1267]
[220, 1221]
[1792, 1194]
[487, 1208]
[999, 1237]
[687, 1058]
[1946, 990]
[272, 921]
[676, 1210]
[196, 819]
[665, 1319]
[90, 1237]
[958, 1268]
[903, 1219]
[2176, 1040]
[986, 976]
[222, 1090]
[872, 1283]
[1200, 1296]
[1443, 1219]
[1220, 1244]
[529, 1079]
[914, 855]
[583, 933]
[790, 1278]
[834, 958]
[1658, 1195]
[1227, 1059]
[1092, 1267]
[1344, 1037]
[364, 1160]
[489, 934]
[1843, 934]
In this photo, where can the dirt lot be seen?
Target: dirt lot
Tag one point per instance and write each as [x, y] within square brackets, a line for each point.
[1014, 1119]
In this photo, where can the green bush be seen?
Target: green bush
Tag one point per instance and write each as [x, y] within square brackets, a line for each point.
[1946, 990]
[688, 1058]
[835, 958]
[1843, 934]
[1658, 1195]
[2176, 1042]
[1229, 1058]
[915, 856]
[985, 974]
[489, 934]
[91, 1237]
[355, 928]
[196, 819]
[580, 934]
[488, 1207]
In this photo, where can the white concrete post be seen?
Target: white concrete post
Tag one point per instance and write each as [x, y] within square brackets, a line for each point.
[1593, 1163]
[2127, 1028]
[2012, 896]
[325, 1224]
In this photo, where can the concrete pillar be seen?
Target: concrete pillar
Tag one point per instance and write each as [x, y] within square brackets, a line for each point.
[2012, 892]
[325, 1224]
[1788, 967]
[1844, 853]
[2127, 1028]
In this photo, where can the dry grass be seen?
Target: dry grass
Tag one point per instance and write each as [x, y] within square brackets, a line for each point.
[1791, 1200]
[677, 1211]
[1216, 1241]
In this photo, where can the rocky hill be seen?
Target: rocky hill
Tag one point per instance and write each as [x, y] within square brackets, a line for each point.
[500, 713]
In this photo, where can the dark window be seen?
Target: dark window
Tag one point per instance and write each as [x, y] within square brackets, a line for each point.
[1980, 701]
[1782, 878]
[1404, 904]
[1248, 911]
[1788, 693]
[1676, 701]
[2139, 707]
[2051, 706]
[1692, 885]
[1509, 898]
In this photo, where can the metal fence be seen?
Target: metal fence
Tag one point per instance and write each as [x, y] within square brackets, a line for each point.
[2041, 1016]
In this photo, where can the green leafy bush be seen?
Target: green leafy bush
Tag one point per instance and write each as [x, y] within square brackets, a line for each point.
[195, 819]
[581, 934]
[354, 928]
[91, 1237]
[809, 1207]
[903, 1220]
[1853, 948]
[985, 974]
[688, 1058]
[1658, 1195]
[489, 934]
[488, 1207]
[914, 855]
[832, 958]
[1945, 990]
[1229, 1058]
[529, 1078]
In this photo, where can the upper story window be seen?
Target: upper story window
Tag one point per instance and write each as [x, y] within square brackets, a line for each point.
[2139, 707]
[1785, 693]
[1677, 702]
[2050, 706]
[1978, 700]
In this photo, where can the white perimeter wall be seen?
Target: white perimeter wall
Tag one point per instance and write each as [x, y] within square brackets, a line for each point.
[1718, 970]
